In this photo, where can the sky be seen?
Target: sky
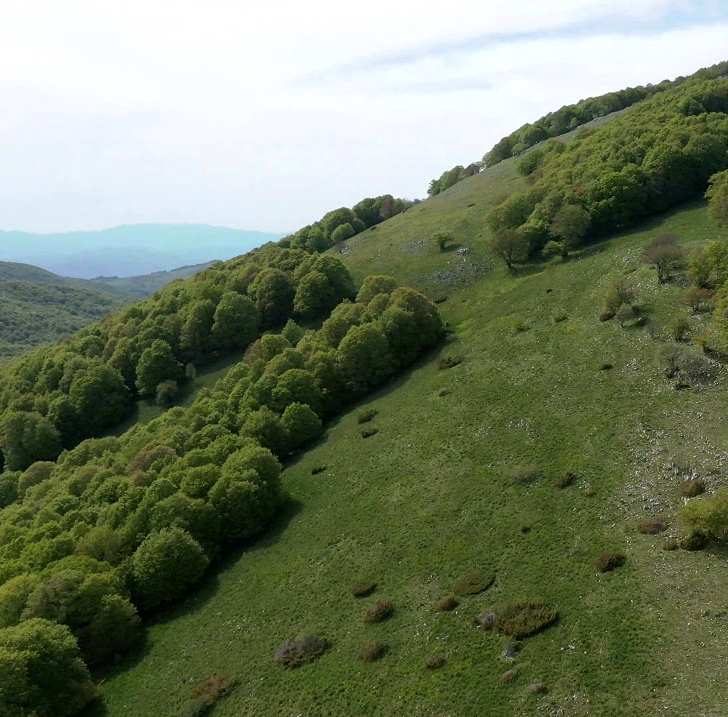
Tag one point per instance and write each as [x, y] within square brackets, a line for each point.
[265, 115]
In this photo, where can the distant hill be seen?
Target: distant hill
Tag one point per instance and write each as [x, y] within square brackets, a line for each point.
[38, 306]
[146, 284]
[128, 250]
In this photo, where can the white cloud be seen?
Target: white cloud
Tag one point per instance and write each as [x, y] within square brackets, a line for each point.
[264, 115]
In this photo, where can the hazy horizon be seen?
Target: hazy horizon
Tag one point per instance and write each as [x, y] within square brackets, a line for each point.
[265, 117]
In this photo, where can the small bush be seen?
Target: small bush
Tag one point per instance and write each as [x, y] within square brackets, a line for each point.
[299, 651]
[435, 662]
[537, 688]
[699, 300]
[651, 526]
[523, 475]
[695, 540]
[379, 612]
[680, 329]
[607, 562]
[363, 588]
[566, 480]
[606, 314]
[560, 316]
[447, 603]
[508, 677]
[367, 415]
[449, 362]
[206, 695]
[670, 544]
[487, 620]
[526, 618]
[369, 432]
[606, 366]
[520, 327]
[691, 488]
[317, 469]
[441, 240]
[618, 294]
[474, 583]
[373, 650]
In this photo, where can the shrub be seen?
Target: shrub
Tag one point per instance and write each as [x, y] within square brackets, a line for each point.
[619, 292]
[474, 583]
[525, 618]
[363, 588]
[607, 562]
[606, 366]
[680, 328]
[508, 677]
[206, 695]
[166, 393]
[301, 424]
[373, 650]
[695, 540]
[692, 487]
[380, 611]
[700, 300]
[566, 480]
[651, 526]
[441, 240]
[487, 620]
[165, 566]
[435, 662]
[317, 469]
[449, 362]
[688, 367]
[369, 432]
[296, 652]
[367, 415]
[670, 544]
[664, 253]
[708, 516]
[537, 688]
[525, 474]
[42, 671]
[446, 603]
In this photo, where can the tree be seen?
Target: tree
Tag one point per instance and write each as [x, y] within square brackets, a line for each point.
[441, 240]
[570, 225]
[273, 294]
[717, 196]
[195, 334]
[42, 671]
[364, 357]
[235, 322]
[313, 295]
[301, 423]
[165, 566]
[511, 246]
[156, 364]
[297, 386]
[342, 233]
[26, 437]
[100, 398]
[664, 253]
[374, 285]
[166, 393]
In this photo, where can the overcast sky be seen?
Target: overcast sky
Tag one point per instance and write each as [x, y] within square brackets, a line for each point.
[263, 115]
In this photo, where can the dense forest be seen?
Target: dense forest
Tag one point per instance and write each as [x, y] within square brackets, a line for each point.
[117, 527]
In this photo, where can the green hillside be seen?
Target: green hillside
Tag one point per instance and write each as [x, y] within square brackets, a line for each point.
[39, 307]
[498, 510]
[430, 498]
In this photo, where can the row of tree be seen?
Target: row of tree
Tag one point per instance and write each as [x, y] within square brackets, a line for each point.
[118, 527]
[661, 153]
[341, 224]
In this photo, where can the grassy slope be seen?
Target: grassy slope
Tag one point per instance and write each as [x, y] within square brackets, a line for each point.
[426, 500]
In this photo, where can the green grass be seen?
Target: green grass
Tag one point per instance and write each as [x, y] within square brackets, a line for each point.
[430, 498]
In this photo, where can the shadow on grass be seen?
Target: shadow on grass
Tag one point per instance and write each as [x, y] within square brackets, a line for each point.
[204, 591]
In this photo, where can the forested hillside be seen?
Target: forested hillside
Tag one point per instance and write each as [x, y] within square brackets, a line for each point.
[523, 514]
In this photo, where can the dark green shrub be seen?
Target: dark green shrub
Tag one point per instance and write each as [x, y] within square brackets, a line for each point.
[607, 562]
[369, 432]
[363, 588]
[447, 603]
[606, 366]
[566, 480]
[435, 662]
[373, 650]
[449, 362]
[474, 583]
[367, 415]
[317, 469]
[695, 540]
[525, 618]
[298, 651]
[680, 329]
[651, 526]
[167, 392]
[379, 612]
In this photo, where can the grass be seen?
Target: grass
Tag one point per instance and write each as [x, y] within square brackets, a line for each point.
[425, 501]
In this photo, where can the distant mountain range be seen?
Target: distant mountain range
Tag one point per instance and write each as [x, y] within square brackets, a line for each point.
[129, 250]
[37, 306]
